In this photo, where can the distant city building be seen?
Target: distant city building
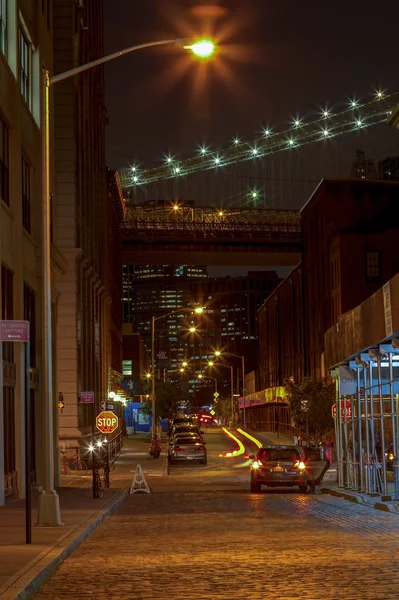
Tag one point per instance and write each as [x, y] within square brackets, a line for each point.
[388, 168]
[362, 167]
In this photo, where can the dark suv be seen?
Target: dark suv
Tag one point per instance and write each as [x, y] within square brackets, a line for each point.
[280, 466]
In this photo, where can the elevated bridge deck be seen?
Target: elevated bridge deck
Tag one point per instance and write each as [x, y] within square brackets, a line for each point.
[205, 235]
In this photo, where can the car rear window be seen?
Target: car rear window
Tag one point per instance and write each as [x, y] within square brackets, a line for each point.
[185, 429]
[278, 454]
[188, 441]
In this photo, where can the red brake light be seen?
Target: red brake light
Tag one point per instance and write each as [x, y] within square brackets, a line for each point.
[201, 448]
[178, 449]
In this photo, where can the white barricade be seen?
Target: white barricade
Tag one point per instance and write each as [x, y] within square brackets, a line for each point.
[139, 483]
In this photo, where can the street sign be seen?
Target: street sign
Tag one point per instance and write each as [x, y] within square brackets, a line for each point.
[216, 395]
[107, 406]
[107, 421]
[348, 411]
[87, 397]
[212, 412]
[14, 331]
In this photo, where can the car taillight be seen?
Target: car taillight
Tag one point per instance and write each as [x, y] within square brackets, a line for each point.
[201, 448]
[178, 449]
[300, 465]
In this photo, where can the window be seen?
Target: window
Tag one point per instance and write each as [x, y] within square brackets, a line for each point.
[7, 305]
[3, 26]
[24, 67]
[4, 187]
[26, 195]
[127, 367]
[372, 266]
[30, 315]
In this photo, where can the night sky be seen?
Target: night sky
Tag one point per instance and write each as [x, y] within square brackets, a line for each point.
[277, 59]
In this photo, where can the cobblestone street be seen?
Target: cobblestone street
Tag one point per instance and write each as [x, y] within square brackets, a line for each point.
[218, 541]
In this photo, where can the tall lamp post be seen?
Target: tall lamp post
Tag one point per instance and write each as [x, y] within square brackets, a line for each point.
[219, 353]
[212, 364]
[48, 504]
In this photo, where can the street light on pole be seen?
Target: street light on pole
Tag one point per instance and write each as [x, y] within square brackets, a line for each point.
[219, 353]
[48, 503]
[211, 364]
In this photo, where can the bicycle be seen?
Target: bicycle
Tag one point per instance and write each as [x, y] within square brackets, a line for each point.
[73, 463]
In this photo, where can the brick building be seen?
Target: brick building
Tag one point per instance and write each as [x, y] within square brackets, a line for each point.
[25, 45]
[82, 210]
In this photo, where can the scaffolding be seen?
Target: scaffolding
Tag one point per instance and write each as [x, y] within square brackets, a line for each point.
[367, 420]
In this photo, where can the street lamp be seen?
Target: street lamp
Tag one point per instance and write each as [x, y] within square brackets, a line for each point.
[231, 382]
[48, 503]
[219, 353]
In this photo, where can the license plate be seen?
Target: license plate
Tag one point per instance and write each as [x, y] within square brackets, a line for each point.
[190, 457]
[278, 469]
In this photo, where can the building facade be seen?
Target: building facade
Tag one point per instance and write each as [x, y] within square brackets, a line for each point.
[25, 45]
[82, 205]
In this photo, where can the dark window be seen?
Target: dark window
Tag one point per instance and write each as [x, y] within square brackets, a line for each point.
[30, 315]
[4, 187]
[3, 26]
[7, 299]
[26, 195]
[24, 67]
[372, 265]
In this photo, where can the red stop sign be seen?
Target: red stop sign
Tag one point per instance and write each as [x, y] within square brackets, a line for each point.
[107, 421]
[346, 410]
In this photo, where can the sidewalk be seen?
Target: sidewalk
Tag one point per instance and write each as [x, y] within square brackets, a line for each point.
[24, 568]
[270, 438]
[378, 502]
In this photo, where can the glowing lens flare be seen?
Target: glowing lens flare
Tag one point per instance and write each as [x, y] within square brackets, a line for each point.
[202, 48]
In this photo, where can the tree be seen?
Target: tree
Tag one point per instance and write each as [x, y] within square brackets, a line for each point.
[168, 398]
[310, 403]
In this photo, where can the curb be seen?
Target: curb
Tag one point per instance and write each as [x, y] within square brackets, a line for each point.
[359, 499]
[30, 579]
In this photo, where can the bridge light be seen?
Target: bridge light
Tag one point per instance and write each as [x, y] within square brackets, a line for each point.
[291, 142]
[169, 160]
[353, 104]
[217, 161]
[326, 133]
[135, 179]
[236, 141]
[325, 113]
[255, 151]
[177, 170]
[221, 213]
[266, 132]
[379, 94]
[203, 150]
[133, 169]
[359, 123]
[176, 207]
[254, 194]
[297, 122]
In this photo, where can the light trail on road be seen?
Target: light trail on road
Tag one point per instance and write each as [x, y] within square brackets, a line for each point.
[250, 437]
[241, 447]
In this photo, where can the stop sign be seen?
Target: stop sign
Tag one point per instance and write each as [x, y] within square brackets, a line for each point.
[106, 421]
[346, 411]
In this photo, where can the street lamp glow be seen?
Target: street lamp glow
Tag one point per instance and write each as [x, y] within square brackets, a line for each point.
[200, 375]
[111, 395]
[199, 310]
[185, 364]
[99, 443]
[91, 448]
[148, 375]
[176, 207]
[210, 363]
[221, 213]
[193, 329]
[182, 370]
[217, 353]
[202, 48]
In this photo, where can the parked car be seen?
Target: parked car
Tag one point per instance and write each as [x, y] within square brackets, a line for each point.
[181, 421]
[190, 448]
[282, 466]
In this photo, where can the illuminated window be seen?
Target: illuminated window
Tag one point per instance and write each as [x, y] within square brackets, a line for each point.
[4, 187]
[372, 265]
[3, 26]
[24, 67]
[26, 197]
[127, 367]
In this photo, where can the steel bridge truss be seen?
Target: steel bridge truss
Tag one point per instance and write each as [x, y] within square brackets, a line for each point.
[329, 125]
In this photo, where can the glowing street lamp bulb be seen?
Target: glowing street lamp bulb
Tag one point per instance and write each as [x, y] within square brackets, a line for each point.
[255, 151]
[182, 370]
[236, 141]
[217, 353]
[353, 104]
[99, 443]
[168, 159]
[200, 376]
[326, 133]
[135, 179]
[192, 330]
[359, 123]
[291, 142]
[380, 94]
[91, 448]
[217, 161]
[221, 213]
[185, 363]
[148, 375]
[111, 395]
[199, 310]
[202, 48]
[211, 363]
[177, 170]
[133, 169]
[254, 194]
[176, 207]
[266, 132]
[297, 122]
[325, 113]
[203, 151]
